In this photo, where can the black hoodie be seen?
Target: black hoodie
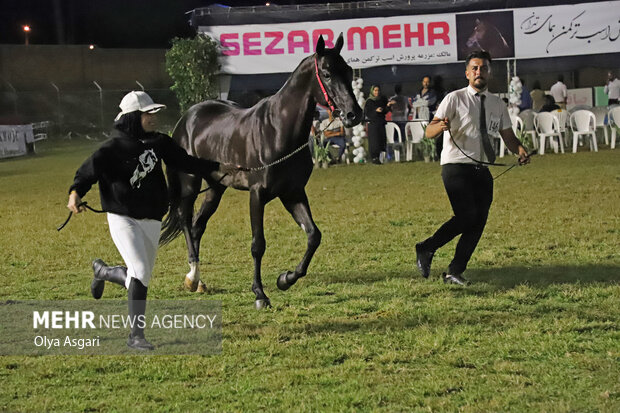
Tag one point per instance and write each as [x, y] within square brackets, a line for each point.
[130, 175]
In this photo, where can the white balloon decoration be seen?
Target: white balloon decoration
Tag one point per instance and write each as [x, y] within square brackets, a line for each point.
[514, 96]
[359, 131]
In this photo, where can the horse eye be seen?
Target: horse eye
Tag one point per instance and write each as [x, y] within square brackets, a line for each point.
[327, 76]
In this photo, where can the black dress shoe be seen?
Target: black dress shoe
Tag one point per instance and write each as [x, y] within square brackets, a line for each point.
[139, 343]
[454, 279]
[424, 259]
[97, 285]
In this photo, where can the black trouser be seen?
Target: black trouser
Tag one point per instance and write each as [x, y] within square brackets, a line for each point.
[376, 138]
[470, 189]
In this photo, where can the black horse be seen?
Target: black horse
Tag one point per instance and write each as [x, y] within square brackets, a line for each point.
[267, 139]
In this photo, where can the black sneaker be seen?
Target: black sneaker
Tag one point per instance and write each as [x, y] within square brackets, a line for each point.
[454, 279]
[424, 259]
[139, 343]
[97, 285]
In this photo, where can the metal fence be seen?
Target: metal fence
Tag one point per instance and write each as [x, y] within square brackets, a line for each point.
[77, 111]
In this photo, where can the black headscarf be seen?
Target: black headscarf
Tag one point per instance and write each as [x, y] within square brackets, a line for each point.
[131, 124]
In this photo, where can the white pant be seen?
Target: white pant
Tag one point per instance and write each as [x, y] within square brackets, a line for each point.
[137, 241]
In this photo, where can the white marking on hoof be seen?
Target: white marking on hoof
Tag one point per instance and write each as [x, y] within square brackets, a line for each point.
[194, 272]
[302, 227]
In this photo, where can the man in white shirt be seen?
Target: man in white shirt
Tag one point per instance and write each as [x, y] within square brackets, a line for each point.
[466, 118]
[559, 92]
[612, 89]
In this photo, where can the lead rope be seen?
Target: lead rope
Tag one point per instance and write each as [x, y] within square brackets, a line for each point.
[510, 166]
[81, 204]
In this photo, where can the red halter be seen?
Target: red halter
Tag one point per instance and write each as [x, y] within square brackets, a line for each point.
[327, 99]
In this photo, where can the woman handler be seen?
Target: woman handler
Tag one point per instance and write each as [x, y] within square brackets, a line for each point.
[134, 194]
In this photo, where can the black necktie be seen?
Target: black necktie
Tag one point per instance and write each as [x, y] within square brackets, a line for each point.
[485, 141]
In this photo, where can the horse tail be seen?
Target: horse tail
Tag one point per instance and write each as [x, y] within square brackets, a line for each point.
[172, 225]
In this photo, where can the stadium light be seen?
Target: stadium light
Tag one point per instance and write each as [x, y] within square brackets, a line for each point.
[26, 29]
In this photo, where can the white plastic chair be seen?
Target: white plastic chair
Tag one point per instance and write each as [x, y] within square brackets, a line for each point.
[547, 126]
[600, 113]
[527, 116]
[416, 131]
[614, 123]
[562, 115]
[517, 127]
[583, 122]
[390, 129]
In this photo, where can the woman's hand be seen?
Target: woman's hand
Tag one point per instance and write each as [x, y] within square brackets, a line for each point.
[74, 203]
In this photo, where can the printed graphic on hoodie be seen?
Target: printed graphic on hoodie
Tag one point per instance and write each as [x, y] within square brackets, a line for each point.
[146, 163]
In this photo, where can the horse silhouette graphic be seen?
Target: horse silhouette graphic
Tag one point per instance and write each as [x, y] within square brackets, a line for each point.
[486, 36]
[146, 163]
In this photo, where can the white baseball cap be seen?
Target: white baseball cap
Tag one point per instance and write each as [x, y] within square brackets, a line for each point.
[138, 101]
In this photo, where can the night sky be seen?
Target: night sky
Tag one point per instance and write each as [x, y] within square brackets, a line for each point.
[106, 23]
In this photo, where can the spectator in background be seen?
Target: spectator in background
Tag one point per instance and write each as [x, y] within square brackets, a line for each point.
[429, 94]
[432, 97]
[559, 92]
[526, 99]
[549, 105]
[374, 112]
[400, 109]
[538, 97]
[612, 89]
[333, 132]
[316, 124]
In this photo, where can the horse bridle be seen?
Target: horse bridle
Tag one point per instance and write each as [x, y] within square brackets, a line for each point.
[329, 102]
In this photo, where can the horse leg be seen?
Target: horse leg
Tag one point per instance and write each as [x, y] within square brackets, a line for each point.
[297, 205]
[212, 199]
[257, 212]
[190, 186]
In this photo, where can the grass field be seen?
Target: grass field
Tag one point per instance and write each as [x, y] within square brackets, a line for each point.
[538, 330]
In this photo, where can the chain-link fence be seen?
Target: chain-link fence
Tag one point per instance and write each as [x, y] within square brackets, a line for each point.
[78, 111]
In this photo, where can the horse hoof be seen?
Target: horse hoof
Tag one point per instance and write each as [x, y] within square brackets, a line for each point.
[283, 283]
[202, 287]
[190, 285]
[260, 304]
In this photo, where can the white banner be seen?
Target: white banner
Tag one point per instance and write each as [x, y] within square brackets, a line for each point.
[13, 139]
[535, 32]
[572, 30]
[278, 48]
[579, 97]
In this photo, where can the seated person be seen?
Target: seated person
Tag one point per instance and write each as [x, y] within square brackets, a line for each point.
[334, 134]
[549, 105]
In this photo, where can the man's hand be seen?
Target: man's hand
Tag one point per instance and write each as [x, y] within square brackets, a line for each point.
[436, 127]
[524, 157]
[74, 203]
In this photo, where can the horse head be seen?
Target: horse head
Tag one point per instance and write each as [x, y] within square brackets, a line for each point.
[333, 82]
[480, 29]
[486, 36]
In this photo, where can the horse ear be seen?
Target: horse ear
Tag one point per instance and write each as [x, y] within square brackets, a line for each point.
[477, 22]
[339, 43]
[320, 45]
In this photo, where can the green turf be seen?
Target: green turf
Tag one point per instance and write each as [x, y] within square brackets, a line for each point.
[537, 331]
